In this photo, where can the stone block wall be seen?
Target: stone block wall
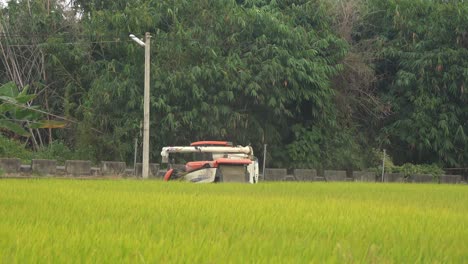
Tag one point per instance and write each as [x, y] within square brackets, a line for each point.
[335, 175]
[113, 168]
[422, 178]
[44, 167]
[78, 167]
[305, 174]
[394, 177]
[364, 176]
[10, 165]
[153, 170]
[454, 179]
[275, 174]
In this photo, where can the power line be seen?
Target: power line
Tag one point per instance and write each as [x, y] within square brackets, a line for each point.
[66, 43]
[59, 34]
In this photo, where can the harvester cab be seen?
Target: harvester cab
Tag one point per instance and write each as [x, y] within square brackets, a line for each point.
[210, 161]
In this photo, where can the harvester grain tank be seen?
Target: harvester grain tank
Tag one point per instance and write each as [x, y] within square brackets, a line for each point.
[210, 161]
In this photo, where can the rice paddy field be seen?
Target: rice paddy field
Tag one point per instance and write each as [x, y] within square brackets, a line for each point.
[132, 221]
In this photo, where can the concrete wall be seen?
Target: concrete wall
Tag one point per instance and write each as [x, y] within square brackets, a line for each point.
[450, 179]
[305, 174]
[78, 167]
[275, 174]
[335, 175]
[10, 165]
[40, 167]
[153, 170]
[44, 167]
[394, 177]
[364, 176]
[422, 178]
[25, 169]
[113, 168]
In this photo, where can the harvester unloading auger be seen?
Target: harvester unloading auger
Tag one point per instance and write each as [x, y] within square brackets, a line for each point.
[210, 161]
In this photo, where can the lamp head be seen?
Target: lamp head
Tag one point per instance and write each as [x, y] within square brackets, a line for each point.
[137, 40]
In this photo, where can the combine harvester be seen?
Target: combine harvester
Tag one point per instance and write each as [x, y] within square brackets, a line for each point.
[211, 161]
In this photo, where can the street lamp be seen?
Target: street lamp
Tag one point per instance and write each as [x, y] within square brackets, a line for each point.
[146, 109]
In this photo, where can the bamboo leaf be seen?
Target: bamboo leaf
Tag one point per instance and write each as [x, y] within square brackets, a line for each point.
[49, 124]
[9, 90]
[13, 127]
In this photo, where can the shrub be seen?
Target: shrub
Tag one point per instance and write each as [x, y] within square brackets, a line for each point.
[10, 148]
[57, 150]
[406, 169]
[409, 169]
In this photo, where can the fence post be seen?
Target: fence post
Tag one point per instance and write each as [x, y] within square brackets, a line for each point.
[383, 165]
[264, 160]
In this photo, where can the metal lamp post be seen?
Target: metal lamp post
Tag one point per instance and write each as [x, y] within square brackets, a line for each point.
[146, 104]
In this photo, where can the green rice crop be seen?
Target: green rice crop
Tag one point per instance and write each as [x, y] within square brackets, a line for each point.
[109, 221]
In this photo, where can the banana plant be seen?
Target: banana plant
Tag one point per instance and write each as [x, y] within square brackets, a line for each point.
[17, 115]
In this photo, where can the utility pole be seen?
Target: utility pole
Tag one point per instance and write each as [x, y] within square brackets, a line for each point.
[146, 103]
[146, 106]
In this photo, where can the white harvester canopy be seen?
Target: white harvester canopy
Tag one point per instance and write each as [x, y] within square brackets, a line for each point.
[222, 163]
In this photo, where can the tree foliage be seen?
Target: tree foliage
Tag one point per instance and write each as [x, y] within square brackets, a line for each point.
[322, 83]
[245, 75]
[424, 58]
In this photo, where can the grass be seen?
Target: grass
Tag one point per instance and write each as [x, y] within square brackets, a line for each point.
[108, 221]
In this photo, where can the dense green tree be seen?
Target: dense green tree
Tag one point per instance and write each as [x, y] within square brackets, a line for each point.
[322, 83]
[424, 60]
[220, 70]
[345, 137]
[38, 51]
